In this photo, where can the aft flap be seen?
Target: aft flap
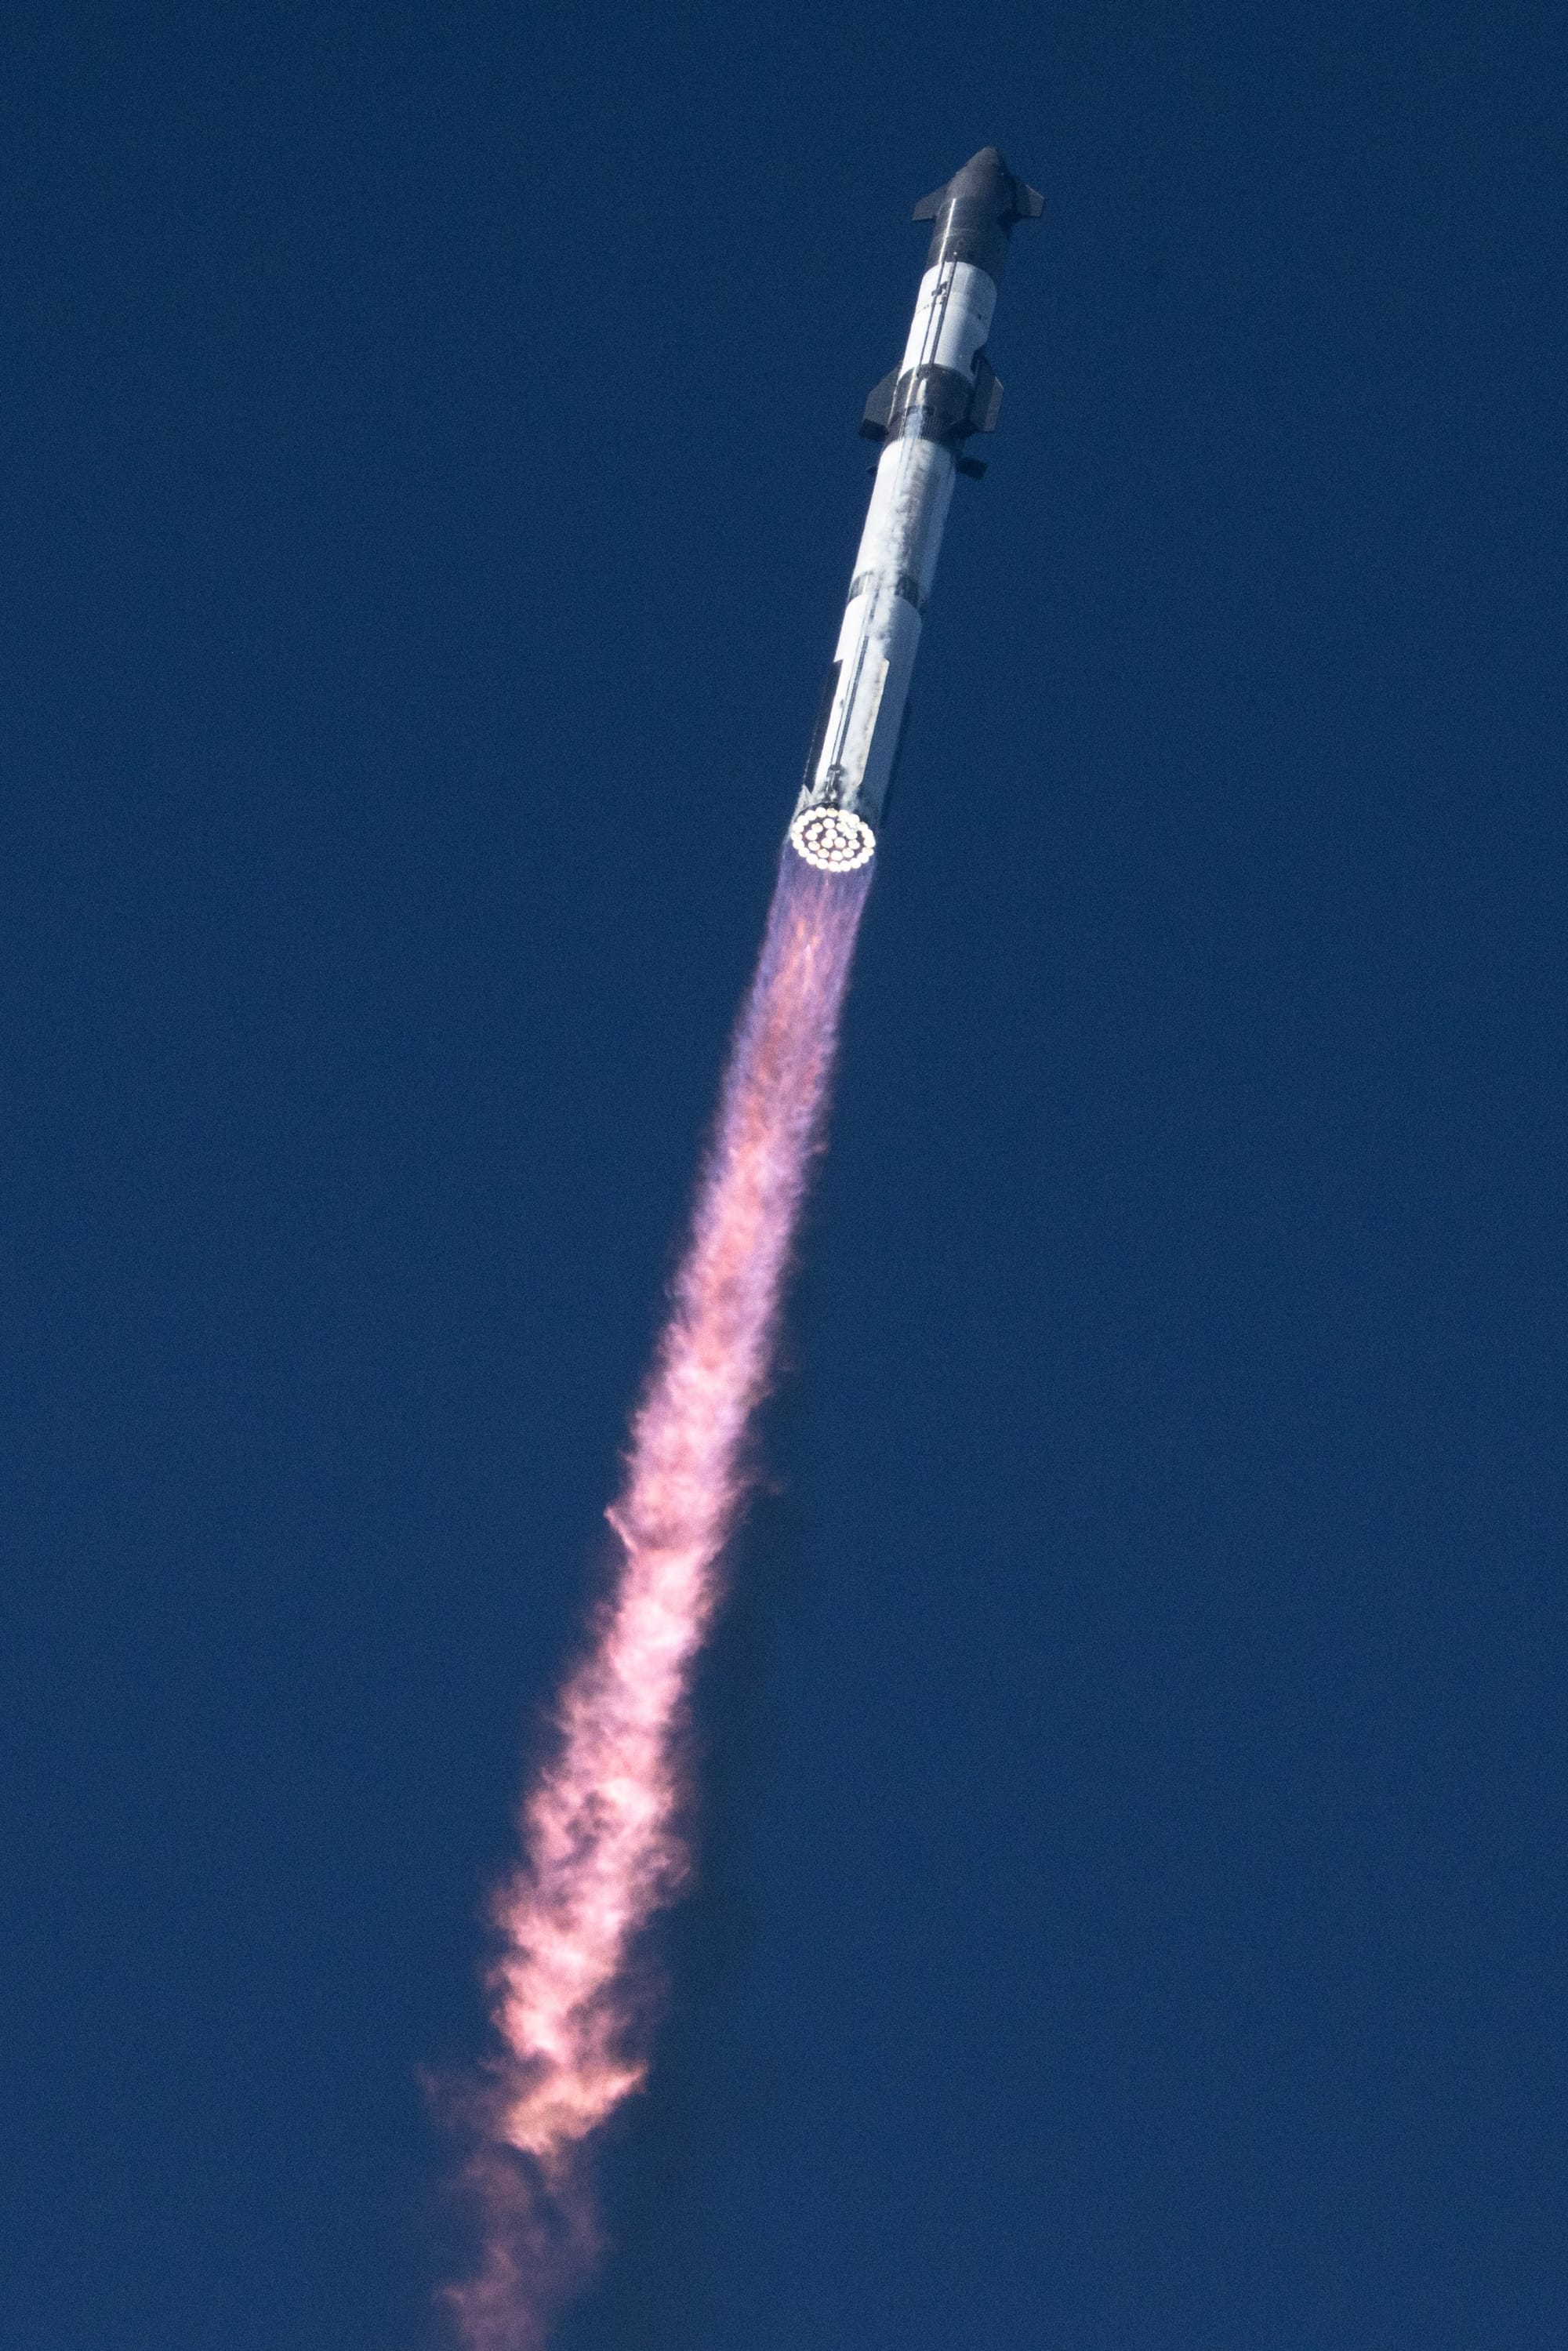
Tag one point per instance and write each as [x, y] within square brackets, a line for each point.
[879, 409]
[986, 400]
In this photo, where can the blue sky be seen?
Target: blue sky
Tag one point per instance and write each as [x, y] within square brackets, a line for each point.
[1132, 1905]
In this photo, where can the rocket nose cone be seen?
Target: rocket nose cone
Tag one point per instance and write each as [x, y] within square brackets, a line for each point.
[984, 172]
[975, 212]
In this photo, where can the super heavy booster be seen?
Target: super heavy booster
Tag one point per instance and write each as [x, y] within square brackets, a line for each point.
[923, 413]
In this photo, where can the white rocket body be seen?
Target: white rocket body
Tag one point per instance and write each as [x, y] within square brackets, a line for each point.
[944, 390]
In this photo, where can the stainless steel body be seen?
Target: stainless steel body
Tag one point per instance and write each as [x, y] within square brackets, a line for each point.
[942, 392]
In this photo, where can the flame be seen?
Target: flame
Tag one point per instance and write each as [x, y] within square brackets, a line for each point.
[603, 1844]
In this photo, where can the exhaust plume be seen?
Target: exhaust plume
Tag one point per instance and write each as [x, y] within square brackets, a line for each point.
[602, 1833]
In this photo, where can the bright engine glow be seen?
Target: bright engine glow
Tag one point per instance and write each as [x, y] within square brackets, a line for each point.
[835, 841]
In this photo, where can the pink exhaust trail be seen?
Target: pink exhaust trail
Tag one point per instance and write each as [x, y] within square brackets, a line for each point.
[602, 1829]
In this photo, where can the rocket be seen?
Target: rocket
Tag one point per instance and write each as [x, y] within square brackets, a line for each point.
[923, 415]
